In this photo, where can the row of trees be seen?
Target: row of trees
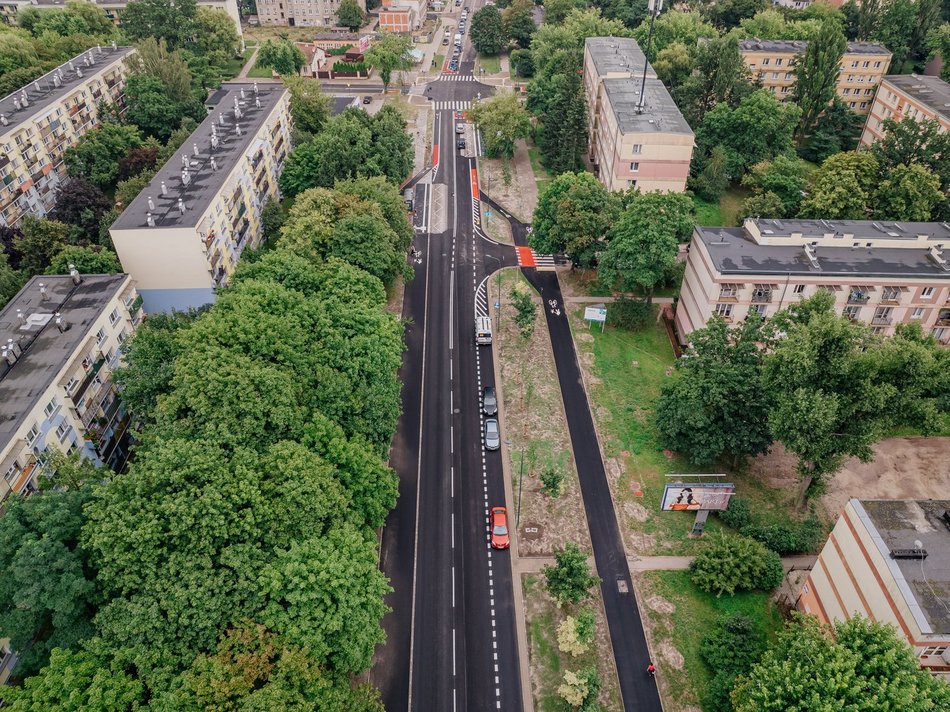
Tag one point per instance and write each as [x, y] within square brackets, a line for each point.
[822, 385]
[234, 565]
[493, 29]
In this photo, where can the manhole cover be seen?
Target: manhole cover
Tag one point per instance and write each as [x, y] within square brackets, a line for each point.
[532, 532]
[622, 585]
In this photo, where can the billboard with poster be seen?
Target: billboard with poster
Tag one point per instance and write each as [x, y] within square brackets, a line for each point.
[696, 496]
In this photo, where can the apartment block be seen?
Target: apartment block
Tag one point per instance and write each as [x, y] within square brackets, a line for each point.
[636, 139]
[919, 97]
[39, 121]
[182, 236]
[62, 338]
[772, 63]
[881, 273]
[300, 13]
[112, 8]
[889, 560]
[402, 15]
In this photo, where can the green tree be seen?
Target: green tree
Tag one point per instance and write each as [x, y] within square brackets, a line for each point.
[911, 141]
[895, 30]
[77, 18]
[910, 193]
[80, 204]
[841, 187]
[569, 579]
[717, 405]
[767, 204]
[96, 155]
[729, 650]
[488, 31]
[674, 64]
[388, 198]
[93, 259]
[729, 13]
[837, 129]
[165, 19]
[215, 36]
[17, 53]
[562, 129]
[10, 280]
[350, 15]
[38, 242]
[150, 108]
[309, 106]
[938, 43]
[390, 53]
[48, 592]
[720, 76]
[816, 75]
[155, 58]
[758, 129]
[674, 26]
[713, 179]
[784, 176]
[643, 245]
[283, 56]
[556, 11]
[573, 216]
[735, 563]
[502, 120]
[519, 22]
[366, 241]
[858, 664]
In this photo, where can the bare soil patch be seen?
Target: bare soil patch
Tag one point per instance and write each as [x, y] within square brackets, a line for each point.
[520, 195]
[534, 421]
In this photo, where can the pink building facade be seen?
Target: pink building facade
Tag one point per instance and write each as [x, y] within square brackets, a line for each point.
[903, 96]
[880, 273]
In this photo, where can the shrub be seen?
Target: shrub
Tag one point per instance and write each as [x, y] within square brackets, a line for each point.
[526, 311]
[568, 638]
[339, 51]
[783, 537]
[569, 579]
[551, 480]
[629, 313]
[737, 515]
[736, 563]
[580, 689]
[355, 67]
[586, 625]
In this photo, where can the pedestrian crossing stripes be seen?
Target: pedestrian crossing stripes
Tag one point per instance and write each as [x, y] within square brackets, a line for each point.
[529, 258]
[456, 78]
[452, 105]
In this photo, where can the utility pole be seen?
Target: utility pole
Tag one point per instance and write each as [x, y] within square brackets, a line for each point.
[654, 7]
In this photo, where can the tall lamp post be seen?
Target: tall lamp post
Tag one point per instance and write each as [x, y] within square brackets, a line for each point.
[654, 7]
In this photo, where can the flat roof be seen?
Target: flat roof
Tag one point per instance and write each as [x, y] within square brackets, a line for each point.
[796, 46]
[339, 104]
[889, 231]
[932, 92]
[733, 251]
[45, 348]
[660, 113]
[914, 524]
[617, 54]
[204, 181]
[53, 86]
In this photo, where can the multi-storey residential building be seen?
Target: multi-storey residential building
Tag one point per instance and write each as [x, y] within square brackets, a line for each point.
[303, 13]
[889, 560]
[772, 63]
[61, 339]
[402, 15]
[182, 236]
[882, 273]
[636, 140]
[112, 8]
[39, 121]
[916, 96]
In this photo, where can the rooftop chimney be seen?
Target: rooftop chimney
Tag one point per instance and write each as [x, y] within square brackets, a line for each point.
[194, 147]
[181, 206]
[74, 273]
[149, 220]
[214, 164]
[242, 92]
[185, 178]
[151, 203]
[257, 102]
[3, 120]
[61, 324]
[21, 319]
[43, 294]
[255, 88]
[164, 188]
[9, 357]
[114, 45]
[78, 72]
[14, 348]
[237, 128]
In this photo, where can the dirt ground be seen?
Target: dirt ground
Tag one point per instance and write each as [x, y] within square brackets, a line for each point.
[902, 468]
[533, 418]
[520, 196]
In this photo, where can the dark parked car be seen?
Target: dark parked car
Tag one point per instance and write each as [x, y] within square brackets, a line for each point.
[367, 100]
[489, 399]
[460, 144]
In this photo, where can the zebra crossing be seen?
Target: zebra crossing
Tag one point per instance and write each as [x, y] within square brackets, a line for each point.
[452, 105]
[456, 78]
[527, 257]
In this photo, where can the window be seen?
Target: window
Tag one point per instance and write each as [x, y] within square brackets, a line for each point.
[864, 105]
[765, 62]
[729, 291]
[759, 309]
[110, 356]
[778, 62]
[51, 407]
[933, 650]
[724, 310]
[918, 313]
[940, 333]
[846, 91]
[71, 384]
[635, 166]
[114, 317]
[101, 337]
[637, 148]
[891, 294]
[13, 472]
[799, 289]
[867, 64]
[927, 293]
[122, 336]
[774, 75]
[63, 430]
[31, 435]
[853, 104]
[877, 65]
[851, 313]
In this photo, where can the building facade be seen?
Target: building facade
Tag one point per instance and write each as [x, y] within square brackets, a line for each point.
[182, 236]
[881, 273]
[300, 13]
[636, 140]
[908, 95]
[112, 8]
[62, 338]
[39, 121]
[889, 560]
[772, 63]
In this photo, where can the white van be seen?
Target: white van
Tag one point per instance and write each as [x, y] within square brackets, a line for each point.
[483, 330]
[458, 40]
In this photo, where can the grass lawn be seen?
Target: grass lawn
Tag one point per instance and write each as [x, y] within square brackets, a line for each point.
[625, 371]
[437, 62]
[541, 175]
[260, 72]
[257, 34]
[708, 213]
[491, 63]
[234, 65]
[682, 619]
[730, 204]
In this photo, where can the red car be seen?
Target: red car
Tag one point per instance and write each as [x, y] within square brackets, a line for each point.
[498, 523]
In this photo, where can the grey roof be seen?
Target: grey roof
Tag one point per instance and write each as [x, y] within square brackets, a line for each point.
[901, 524]
[660, 113]
[932, 92]
[45, 348]
[43, 92]
[796, 46]
[341, 103]
[204, 181]
[617, 54]
[733, 251]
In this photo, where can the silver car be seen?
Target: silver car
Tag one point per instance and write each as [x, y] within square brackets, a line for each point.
[492, 438]
[489, 399]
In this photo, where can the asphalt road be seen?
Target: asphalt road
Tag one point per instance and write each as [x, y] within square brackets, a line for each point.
[451, 642]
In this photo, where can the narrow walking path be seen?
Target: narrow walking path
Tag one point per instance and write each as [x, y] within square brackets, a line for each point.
[249, 65]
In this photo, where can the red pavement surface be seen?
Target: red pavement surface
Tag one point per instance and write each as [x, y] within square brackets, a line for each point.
[526, 257]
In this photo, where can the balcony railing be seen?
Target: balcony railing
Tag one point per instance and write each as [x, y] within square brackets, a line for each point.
[80, 391]
[859, 298]
[761, 296]
[881, 320]
[890, 297]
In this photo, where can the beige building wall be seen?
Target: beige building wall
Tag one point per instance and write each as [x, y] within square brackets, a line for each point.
[893, 102]
[861, 73]
[300, 13]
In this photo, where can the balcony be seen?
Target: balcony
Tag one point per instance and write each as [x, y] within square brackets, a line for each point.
[943, 318]
[858, 297]
[78, 394]
[761, 296]
[890, 296]
[881, 320]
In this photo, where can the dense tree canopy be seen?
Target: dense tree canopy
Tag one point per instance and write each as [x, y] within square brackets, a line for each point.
[488, 31]
[388, 54]
[502, 120]
[96, 155]
[283, 56]
[816, 74]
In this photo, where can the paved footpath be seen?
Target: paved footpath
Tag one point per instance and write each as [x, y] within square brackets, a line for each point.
[535, 564]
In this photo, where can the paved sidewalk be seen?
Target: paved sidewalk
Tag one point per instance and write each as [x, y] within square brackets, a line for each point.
[607, 300]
